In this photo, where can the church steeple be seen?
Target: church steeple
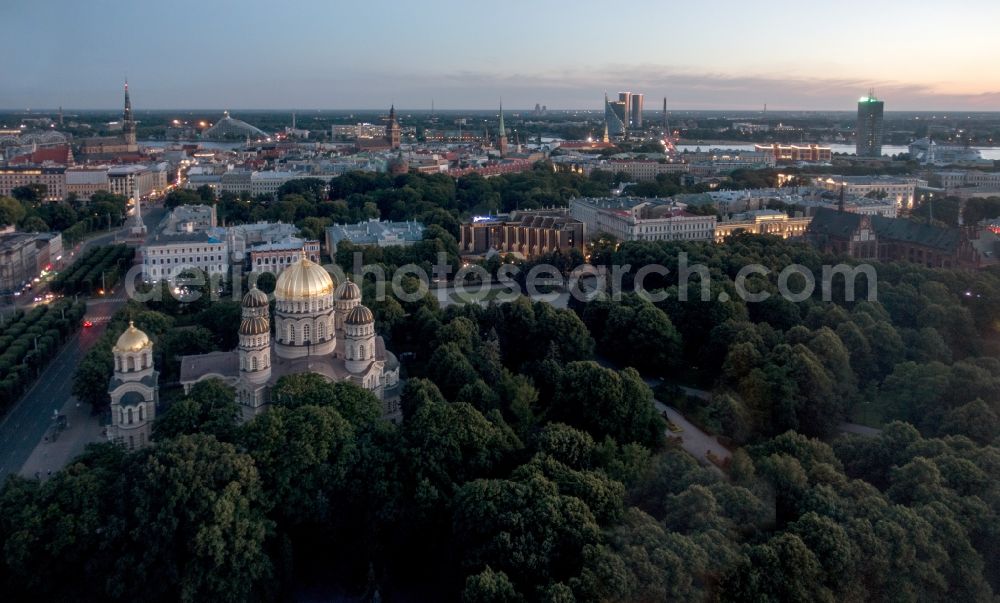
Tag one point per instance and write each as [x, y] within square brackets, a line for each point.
[392, 131]
[128, 123]
[502, 140]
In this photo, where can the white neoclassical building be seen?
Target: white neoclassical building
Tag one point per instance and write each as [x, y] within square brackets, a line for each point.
[133, 389]
[317, 329]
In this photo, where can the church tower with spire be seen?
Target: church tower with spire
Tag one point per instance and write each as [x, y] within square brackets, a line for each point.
[128, 123]
[392, 131]
[502, 135]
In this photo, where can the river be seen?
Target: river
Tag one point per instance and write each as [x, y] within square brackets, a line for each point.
[991, 153]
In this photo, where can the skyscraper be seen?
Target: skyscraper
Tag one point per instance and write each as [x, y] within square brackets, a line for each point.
[635, 110]
[615, 115]
[869, 129]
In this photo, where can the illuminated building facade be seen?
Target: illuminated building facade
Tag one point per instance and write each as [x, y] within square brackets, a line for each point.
[869, 128]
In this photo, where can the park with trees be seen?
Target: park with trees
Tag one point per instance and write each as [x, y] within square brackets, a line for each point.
[531, 462]
[525, 470]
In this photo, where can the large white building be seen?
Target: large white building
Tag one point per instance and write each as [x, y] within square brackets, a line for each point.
[643, 170]
[167, 255]
[900, 189]
[243, 237]
[268, 182]
[275, 257]
[374, 232]
[189, 219]
[317, 329]
[52, 177]
[84, 181]
[636, 219]
[953, 179]
[137, 181]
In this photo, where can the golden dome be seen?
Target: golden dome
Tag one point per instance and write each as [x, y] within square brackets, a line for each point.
[303, 280]
[255, 298]
[348, 291]
[359, 315]
[255, 325]
[132, 340]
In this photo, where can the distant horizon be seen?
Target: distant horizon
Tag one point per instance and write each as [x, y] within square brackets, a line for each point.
[506, 110]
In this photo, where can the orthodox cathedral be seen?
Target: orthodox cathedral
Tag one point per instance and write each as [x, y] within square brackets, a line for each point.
[317, 329]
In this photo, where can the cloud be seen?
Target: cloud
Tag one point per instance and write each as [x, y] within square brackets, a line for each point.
[575, 88]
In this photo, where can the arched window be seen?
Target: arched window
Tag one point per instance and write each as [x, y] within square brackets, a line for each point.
[320, 332]
[121, 416]
[291, 334]
[142, 413]
[131, 363]
[305, 333]
[130, 416]
[131, 442]
[361, 353]
[254, 361]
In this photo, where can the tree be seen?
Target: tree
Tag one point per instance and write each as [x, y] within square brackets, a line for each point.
[55, 534]
[524, 528]
[303, 455]
[606, 403]
[191, 524]
[30, 194]
[359, 406]
[210, 408]
[11, 211]
[783, 569]
[489, 586]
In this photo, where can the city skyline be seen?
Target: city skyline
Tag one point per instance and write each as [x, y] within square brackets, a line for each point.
[343, 57]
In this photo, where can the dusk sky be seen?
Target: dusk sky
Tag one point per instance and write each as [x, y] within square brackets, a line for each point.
[255, 54]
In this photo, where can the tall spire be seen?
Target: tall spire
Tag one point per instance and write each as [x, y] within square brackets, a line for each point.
[392, 131]
[502, 133]
[128, 124]
[128, 104]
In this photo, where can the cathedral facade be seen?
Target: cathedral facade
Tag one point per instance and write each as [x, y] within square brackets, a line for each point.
[318, 328]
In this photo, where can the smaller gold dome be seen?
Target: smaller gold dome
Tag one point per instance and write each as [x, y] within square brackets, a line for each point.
[348, 291]
[303, 280]
[255, 325]
[132, 340]
[359, 315]
[255, 298]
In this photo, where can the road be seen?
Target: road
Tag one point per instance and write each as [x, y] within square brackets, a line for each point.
[27, 422]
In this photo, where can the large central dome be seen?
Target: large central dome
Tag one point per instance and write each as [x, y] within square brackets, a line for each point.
[303, 280]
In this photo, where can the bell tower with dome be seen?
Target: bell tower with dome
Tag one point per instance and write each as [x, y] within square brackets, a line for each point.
[359, 339]
[133, 389]
[346, 298]
[304, 316]
[255, 337]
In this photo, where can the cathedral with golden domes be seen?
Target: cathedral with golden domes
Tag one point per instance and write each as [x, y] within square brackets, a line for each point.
[318, 328]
